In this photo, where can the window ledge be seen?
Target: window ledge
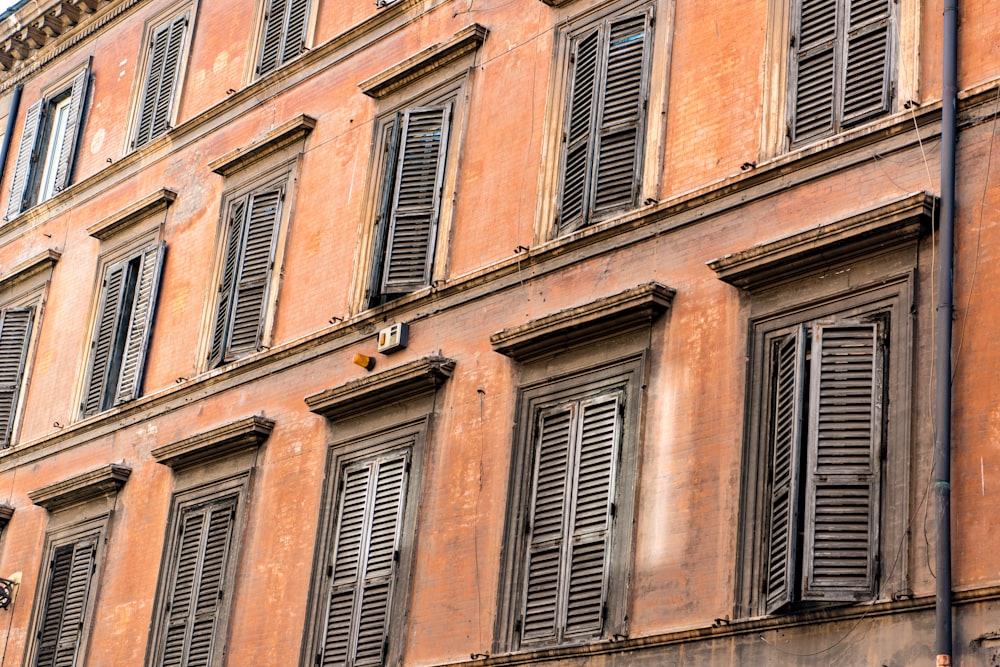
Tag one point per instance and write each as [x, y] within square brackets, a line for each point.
[465, 41]
[585, 324]
[6, 512]
[286, 134]
[132, 213]
[215, 444]
[886, 226]
[392, 386]
[82, 488]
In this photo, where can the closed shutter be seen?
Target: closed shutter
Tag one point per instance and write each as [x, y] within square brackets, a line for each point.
[140, 328]
[845, 440]
[869, 48]
[71, 570]
[197, 587]
[365, 553]
[417, 199]
[788, 381]
[162, 75]
[295, 33]
[284, 33]
[102, 348]
[580, 121]
[15, 334]
[71, 137]
[26, 157]
[815, 76]
[230, 264]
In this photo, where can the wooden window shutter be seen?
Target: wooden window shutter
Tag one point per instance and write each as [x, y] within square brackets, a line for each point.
[162, 74]
[390, 149]
[844, 451]
[581, 109]
[295, 31]
[416, 199]
[137, 335]
[102, 347]
[814, 77]
[274, 23]
[70, 574]
[71, 137]
[788, 382]
[234, 238]
[623, 105]
[15, 335]
[254, 270]
[869, 49]
[371, 505]
[199, 577]
[26, 156]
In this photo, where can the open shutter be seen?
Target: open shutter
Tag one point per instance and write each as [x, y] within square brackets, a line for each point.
[26, 156]
[71, 570]
[541, 610]
[577, 141]
[270, 50]
[390, 152]
[417, 199]
[623, 111]
[71, 136]
[140, 325]
[365, 553]
[103, 343]
[295, 30]
[593, 509]
[788, 381]
[253, 270]
[814, 76]
[162, 75]
[15, 334]
[234, 240]
[866, 85]
[845, 438]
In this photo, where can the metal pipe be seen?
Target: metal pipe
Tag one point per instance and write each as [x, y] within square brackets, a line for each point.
[943, 398]
[15, 102]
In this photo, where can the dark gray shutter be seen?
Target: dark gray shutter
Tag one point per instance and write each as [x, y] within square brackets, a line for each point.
[390, 150]
[139, 329]
[234, 239]
[417, 199]
[581, 109]
[26, 156]
[270, 50]
[814, 77]
[71, 137]
[869, 44]
[623, 111]
[15, 334]
[295, 30]
[102, 347]
[162, 73]
[365, 553]
[254, 270]
[845, 438]
[70, 573]
[199, 574]
[788, 382]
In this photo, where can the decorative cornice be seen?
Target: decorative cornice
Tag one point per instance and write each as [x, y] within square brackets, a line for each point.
[465, 41]
[597, 320]
[82, 488]
[217, 443]
[43, 261]
[286, 134]
[375, 391]
[6, 512]
[134, 212]
[886, 226]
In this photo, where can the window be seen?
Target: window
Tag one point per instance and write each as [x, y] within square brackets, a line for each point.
[251, 237]
[15, 336]
[842, 54]
[46, 154]
[122, 329]
[284, 33]
[67, 595]
[162, 69]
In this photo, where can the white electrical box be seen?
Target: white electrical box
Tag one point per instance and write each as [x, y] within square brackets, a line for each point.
[393, 338]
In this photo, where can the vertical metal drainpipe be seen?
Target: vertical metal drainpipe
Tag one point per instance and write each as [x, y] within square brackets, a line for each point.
[15, 102]
[942, 441]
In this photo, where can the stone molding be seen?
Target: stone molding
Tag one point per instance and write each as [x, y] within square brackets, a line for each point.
[216, 443]
[286, 134]
[134, 212]
[91, 485]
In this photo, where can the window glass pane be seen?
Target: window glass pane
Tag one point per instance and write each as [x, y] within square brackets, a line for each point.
[58, 119]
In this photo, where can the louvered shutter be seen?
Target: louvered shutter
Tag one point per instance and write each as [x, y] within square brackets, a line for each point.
[26, 157]
[162, 74]
[580, 120]
[814, 77]
[71, 137]
[15, 334]
[270, 50]
[234, 239]
[102, 347]
[623, 104]
[199, 574]
[845, 438]
[390, 150]
[254, 270]
[71, 570]
[371, 505]
[788, 377]
[869, 48]
[416, 199]
[295, 30]
[139, 326]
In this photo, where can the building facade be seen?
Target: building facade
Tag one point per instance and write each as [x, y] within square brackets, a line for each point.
[491, 332]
